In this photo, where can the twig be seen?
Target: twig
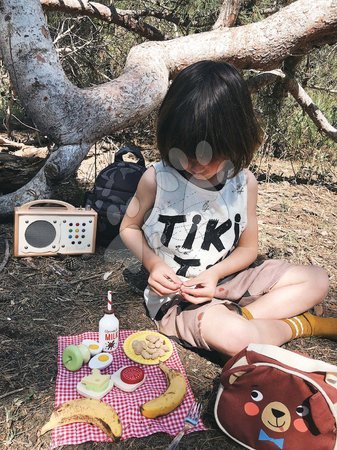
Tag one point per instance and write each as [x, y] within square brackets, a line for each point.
[6, 257]
[8, 143]
[12, 392]
[87, 278]
[320, 88]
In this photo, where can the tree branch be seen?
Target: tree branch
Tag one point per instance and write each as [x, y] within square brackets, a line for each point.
[299, 94]
[228, 14]
[321, 88]
[10, 144]
[75, 118]
[107, 14]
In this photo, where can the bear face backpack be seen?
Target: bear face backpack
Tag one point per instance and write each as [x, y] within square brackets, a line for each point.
[270, 398]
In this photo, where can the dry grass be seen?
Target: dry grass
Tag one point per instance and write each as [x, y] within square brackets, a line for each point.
[38, 303]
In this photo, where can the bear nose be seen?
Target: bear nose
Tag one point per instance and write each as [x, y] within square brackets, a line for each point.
[277, 413]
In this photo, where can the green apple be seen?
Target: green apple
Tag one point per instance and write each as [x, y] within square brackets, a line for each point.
[72, 358]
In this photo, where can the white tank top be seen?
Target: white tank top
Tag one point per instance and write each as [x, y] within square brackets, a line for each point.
[192, 228]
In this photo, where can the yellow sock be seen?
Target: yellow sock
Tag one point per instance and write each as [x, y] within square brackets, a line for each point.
[307, 324]
[246, 314]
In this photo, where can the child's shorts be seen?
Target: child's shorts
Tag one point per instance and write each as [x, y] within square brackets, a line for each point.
[180, 320]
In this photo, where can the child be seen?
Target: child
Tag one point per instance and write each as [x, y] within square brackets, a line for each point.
[192, 223]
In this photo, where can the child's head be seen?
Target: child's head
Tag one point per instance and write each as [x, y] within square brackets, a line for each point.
[208, 109]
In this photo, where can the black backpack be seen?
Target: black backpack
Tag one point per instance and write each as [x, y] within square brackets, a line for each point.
[114, 187]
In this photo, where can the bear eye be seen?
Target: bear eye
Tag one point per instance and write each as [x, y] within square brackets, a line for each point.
[256, 395]
[302, 410]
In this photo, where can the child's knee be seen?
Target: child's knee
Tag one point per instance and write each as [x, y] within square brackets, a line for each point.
[227, 333]
[319, 280]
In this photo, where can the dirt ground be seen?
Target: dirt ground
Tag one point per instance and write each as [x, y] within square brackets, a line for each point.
[44, 297]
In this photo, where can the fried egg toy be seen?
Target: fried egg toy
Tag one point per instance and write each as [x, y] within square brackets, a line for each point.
[93, 346]
[100, 361]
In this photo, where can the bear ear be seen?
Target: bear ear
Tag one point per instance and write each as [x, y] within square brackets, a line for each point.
[240, 362]
[234, 376]
[239, 368]
[321, 413]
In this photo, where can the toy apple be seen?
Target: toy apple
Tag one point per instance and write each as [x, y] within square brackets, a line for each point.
[74, 356]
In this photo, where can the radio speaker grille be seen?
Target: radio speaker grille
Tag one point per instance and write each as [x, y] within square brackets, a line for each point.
[40, 234]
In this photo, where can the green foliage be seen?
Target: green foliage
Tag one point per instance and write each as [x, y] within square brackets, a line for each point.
[291, 134]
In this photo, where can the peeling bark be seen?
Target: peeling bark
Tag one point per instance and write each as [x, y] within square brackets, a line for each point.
[228, 14]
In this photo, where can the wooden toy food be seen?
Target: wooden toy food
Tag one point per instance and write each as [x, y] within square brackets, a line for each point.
[132, 374]
[93, 346]
[128, 378]
[96, 381]
[152, 347]
[95, 385]
[74, 356]
[170, 399]
[148, 347]
[100, 361]
[86, 410]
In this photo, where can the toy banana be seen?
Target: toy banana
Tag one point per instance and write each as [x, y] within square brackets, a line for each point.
[86, 410]
[170, 399]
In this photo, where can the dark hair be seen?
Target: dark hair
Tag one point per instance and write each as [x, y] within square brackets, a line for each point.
[209, 101]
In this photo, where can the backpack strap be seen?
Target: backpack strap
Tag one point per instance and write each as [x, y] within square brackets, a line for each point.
[130, 149]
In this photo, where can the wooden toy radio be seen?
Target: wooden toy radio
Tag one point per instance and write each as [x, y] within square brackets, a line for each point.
[48, 230]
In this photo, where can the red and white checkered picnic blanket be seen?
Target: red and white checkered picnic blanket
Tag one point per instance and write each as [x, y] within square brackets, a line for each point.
[125, 403]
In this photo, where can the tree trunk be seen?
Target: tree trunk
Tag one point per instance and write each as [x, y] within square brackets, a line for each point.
[75, 118]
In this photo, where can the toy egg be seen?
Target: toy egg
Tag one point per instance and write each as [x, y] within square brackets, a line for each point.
[93, 346]
[100, 361]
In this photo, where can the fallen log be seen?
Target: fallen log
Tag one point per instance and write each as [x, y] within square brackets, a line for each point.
[16, 171]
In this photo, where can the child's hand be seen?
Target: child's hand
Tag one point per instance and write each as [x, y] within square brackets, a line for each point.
[163, 279]
[204, 290]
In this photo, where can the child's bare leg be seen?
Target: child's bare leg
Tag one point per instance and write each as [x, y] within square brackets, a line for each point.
[299, 289]
[228, 332]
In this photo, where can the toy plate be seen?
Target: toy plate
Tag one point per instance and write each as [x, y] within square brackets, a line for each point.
[141, 335]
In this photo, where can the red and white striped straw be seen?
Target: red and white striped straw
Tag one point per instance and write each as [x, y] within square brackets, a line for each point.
[109, 300]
